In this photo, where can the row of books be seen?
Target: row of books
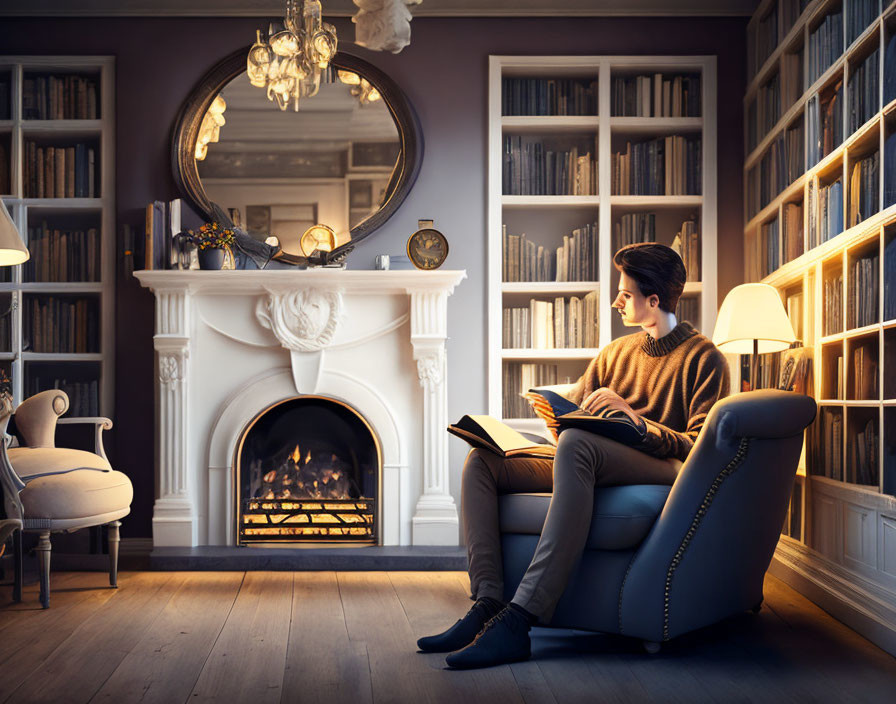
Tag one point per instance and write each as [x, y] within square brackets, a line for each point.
[561, 323]
[62, 255]
[859, 14]
[60, 325]
[633, 228]
[865, 369]
[793, 231]
[548, 96]
[5, 183]
[687, 244]
[864, 182]
[890, 70]
[656, 95]
[825, 45]
[770, 30]
[5, 97]
[55, 97]
[83, 396]
[574, 260]
[862, 293]
[768, 105]
[531, 170]
[688, 309]
[793, 519]
[863, 92]
[519, 377]
[781, 165]
[825, 221]
[60, 172]
[662, 166]
[862, 464]
[890, 279]
[833, 305]
[829, 460]
[824, 122]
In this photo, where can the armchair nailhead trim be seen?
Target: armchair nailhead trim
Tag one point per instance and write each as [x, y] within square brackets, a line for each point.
[730, 468]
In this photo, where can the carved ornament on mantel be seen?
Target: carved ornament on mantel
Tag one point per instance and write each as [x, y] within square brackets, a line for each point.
[383, 25]
[303, 321]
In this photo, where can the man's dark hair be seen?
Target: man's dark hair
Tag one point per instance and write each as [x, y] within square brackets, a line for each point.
[656, 268]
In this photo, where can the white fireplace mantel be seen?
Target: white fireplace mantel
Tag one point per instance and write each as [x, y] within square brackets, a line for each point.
[232, 343]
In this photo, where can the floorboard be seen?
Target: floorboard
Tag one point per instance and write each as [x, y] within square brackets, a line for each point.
[248, 660]
[323, 665]
[81, 663]
[164, 665]
[350, 637]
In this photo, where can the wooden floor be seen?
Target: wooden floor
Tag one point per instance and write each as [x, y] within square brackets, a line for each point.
[350, 637]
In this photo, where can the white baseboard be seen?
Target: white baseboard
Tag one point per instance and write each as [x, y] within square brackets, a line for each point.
[866, 607]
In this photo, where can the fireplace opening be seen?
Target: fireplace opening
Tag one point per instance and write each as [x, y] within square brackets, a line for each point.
[308, 470]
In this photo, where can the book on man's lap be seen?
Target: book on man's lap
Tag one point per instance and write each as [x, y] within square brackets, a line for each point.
[559, 413]
[490, 434]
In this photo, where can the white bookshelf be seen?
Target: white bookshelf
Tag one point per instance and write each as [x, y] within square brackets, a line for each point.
[552, 216]
[842, 552]
[64, 214]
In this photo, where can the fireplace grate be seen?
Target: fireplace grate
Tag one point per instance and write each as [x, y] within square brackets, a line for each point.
[333, 520]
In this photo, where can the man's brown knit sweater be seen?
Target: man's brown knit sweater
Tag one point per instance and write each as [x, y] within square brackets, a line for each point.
[671, 382]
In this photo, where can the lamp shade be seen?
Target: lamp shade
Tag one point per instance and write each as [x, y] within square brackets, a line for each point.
[752, 312]
[12, 249]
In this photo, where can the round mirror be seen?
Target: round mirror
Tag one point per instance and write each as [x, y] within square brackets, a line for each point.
[346, 159]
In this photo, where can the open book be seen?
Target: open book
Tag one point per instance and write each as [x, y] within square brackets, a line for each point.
[560, 413]
[491, 434]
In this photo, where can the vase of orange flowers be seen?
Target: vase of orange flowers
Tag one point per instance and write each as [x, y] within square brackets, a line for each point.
[214, 244]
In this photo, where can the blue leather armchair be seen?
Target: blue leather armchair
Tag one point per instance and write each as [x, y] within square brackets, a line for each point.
[661, 561]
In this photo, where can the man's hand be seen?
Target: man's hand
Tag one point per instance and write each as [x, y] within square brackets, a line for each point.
[607, 399]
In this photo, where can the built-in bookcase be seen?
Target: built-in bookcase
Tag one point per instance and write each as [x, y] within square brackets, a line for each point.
[821, 226]
[587, 154]
[57, 181]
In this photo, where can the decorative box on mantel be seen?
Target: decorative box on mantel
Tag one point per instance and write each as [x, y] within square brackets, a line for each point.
[233, 344]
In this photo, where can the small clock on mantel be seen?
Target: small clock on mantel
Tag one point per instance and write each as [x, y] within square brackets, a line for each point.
[427, 247]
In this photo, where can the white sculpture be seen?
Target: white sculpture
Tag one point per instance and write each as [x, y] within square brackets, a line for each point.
[383, 25]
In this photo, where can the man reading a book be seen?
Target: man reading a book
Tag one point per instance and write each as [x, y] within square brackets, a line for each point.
[665, 380]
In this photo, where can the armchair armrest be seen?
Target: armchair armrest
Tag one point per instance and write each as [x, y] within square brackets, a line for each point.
[100, 424]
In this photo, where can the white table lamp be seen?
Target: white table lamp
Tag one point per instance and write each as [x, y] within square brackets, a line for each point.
[12, 249]
[752, 320]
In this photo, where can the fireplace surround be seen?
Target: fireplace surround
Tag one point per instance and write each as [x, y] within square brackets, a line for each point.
[231, 344]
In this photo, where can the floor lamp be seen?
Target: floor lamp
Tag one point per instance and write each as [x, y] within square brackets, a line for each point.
[752, 320]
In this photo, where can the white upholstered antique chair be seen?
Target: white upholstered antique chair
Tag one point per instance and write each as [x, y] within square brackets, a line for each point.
[52, 489]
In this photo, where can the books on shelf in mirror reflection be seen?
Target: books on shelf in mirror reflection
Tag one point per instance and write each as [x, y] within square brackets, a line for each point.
[561, 323]
[540, 166]
[522, 376]
[548, 96]
[656, 95]
[575, 259]
[665, 166]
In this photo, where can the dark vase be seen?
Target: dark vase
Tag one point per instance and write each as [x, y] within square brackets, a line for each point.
[211, 258]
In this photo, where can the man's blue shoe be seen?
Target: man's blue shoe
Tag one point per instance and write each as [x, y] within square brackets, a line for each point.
[461, 633]
[504, 639]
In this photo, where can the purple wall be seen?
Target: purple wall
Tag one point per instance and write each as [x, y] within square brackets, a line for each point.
[444, 73]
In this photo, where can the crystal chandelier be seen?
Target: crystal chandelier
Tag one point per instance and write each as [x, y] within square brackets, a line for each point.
[288, 62]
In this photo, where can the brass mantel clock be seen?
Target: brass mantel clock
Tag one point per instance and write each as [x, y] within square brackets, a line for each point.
[427, 247]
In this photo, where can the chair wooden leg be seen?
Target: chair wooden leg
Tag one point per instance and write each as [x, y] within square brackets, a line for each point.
[113, 553]
[18, 566]
[43, 553]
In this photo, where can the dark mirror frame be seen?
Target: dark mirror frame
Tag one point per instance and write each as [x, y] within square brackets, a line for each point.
[189, 119]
